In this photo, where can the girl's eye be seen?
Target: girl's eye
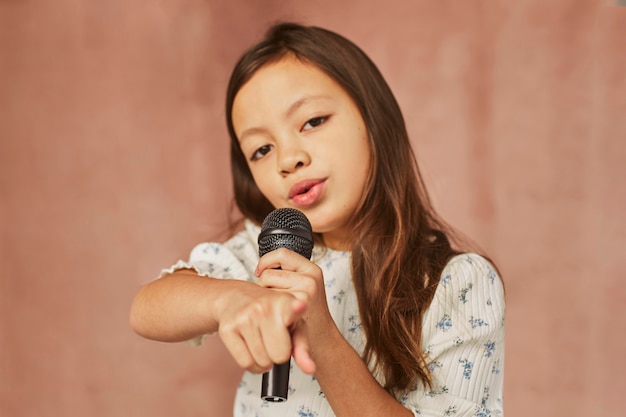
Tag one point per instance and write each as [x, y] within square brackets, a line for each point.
[261, 152]
[314, 122]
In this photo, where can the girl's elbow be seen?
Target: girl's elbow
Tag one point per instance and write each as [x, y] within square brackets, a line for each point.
[137, 316]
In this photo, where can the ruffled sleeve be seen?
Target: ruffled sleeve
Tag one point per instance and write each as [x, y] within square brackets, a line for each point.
[463, 338]
[235, 259]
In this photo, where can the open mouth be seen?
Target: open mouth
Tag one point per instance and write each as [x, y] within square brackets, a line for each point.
[307, 192]
[304, 191]
[303, 187]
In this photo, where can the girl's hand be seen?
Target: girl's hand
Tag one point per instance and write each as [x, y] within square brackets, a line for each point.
[303, 280]
[255, 325]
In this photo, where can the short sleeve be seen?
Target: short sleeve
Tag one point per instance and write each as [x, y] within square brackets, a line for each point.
[235, 259]
[463, 338]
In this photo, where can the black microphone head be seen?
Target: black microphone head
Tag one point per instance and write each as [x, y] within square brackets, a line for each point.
[286, 228]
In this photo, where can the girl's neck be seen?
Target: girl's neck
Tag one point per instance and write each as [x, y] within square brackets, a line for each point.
[336, 242]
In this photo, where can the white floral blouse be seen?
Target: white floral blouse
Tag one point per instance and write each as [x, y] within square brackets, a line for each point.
[463, 333]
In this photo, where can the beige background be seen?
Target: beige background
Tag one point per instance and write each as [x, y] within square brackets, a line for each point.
[113, 164]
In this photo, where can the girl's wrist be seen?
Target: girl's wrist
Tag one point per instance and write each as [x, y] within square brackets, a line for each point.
[226, 290]
[326, 343]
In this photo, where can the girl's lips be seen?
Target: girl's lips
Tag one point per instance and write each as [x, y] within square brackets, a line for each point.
[306, 192]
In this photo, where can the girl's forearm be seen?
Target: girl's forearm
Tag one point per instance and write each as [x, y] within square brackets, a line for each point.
[349, 386]
[179, 306]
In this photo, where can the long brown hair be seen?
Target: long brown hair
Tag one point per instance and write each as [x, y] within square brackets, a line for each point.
[400, 245]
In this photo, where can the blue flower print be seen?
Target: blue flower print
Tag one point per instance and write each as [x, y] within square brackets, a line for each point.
[445, 323]
[355, 324]
[306, 412]
[450, 411]
[212, 248]
[477, 322]
[463, 294]
[218, 270]
[442, 390]
[434, 365]
[339, 296]
[467, 368]
[482, 412]
[483, 402]
[495, 369]
[490, 347]
[445, 280]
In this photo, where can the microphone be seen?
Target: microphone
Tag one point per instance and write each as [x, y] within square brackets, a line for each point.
[283, 228]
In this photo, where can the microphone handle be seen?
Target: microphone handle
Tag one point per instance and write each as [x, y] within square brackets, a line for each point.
[275, 384]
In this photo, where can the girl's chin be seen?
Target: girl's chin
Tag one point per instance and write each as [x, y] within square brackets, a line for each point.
[335, 239]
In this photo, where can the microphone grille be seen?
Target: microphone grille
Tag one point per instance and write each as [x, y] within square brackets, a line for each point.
[286, 228]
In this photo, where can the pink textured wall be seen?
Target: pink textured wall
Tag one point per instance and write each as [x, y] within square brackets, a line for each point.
[113, 165]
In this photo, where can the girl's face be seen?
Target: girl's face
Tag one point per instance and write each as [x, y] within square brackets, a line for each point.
[306, 144]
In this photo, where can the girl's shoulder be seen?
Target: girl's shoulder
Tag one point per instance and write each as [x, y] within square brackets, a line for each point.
[468, 301]
[470, 273]
[469, 266]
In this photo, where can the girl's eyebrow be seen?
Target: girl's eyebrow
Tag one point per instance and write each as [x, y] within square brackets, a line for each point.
[302, 101]
[288, 113]
[251, 131]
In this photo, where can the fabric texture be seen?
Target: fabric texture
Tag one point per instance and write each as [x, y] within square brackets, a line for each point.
[463, 333]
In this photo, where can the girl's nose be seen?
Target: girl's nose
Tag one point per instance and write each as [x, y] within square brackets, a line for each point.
[292, 158]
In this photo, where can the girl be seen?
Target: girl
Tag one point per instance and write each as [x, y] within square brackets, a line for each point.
[388, 318]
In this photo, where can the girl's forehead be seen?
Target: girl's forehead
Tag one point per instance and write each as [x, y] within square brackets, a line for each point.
[289, 65]
[287, 79]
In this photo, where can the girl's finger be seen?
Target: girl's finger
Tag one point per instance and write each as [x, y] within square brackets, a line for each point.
[285, 259]
[301, 351]
[255, 344]
[238, 349]
[276, 331]
[279, 279]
